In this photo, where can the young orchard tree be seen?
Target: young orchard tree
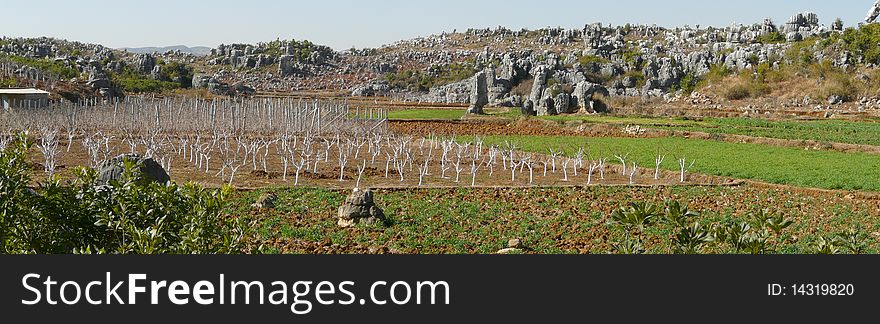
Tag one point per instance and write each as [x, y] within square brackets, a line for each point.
[684, 167]
[632, 172]
[657, 161]
[528, 163]
[299, 166]
[361, 169]
[387, 162]
[458, 168]
[622, 159]
[513, 165]
[578, 161]
[565, 163]
[554, 154]
[343, 159]
[49, 148]
[592, 167]
[493, 155]
[475, 165]
[423, 170]
[545, 162]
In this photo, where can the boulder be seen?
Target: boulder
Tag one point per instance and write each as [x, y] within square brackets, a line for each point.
[266, 200]
[514, 243]
[114, 168]
[539, 84]
[288, 65]
[479, 93]
[371, 89]
[359, 208]
[583, 96]
[144, 63]
[545, 105]
[562, 103]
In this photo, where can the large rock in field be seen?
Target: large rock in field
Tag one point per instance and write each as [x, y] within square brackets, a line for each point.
[479, 93]
[583, 96]
[288, 65]
[359, 208]
[114, 168]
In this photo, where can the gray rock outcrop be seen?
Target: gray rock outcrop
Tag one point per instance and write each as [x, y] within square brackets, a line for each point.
[873, 13]
[359, 208]
[148, 169]
[479, 93]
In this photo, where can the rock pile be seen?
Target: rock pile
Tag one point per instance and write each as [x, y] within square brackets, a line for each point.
[359, 208]
[265, 201]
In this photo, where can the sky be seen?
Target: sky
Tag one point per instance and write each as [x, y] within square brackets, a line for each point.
[344, 24]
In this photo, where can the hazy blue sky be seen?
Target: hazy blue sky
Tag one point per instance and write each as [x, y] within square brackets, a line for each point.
[342, 24]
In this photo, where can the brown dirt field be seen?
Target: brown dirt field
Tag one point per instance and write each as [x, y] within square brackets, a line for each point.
[327, 174]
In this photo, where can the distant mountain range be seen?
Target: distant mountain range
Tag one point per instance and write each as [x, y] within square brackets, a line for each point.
[196, 50]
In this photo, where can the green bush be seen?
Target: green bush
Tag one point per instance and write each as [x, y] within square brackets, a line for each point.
[132, 216]
[141, 84]
[717, 72]
[177, 70]
[590, 59]
[737, 91]
[771, 38]
[688, 83]
[58, 69]
[862, 42]
[436, 75]
[9, 82]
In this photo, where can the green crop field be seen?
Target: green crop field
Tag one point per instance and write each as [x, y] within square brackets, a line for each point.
[547, 220]
[833, 131]
[782, 165]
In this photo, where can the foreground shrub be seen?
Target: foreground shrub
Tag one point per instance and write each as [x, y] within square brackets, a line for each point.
[131, 216]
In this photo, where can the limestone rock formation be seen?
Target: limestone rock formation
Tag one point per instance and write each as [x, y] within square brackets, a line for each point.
[479, 93]
[148, 168]
[873, 13]
[359, 208]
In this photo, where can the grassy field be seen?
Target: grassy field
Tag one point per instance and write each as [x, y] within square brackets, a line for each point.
[834, 131]
[547, 220]
[782, 165]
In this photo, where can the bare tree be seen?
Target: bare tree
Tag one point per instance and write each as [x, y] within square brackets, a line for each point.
[684, 167]
[632, 172]
[361, 169]
[657, 161]
[622, 159]
[49, 148]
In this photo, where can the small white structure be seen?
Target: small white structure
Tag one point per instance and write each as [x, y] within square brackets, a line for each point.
[24, 98]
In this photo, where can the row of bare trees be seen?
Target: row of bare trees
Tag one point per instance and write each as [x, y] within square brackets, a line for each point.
[292, 138]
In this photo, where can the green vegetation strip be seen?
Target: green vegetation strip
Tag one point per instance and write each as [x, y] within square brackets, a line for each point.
[547, 220]
[781, 165]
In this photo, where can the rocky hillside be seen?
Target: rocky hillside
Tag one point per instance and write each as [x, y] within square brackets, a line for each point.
[546, 71]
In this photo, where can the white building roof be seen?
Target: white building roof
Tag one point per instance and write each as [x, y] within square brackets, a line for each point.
[22, 91]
